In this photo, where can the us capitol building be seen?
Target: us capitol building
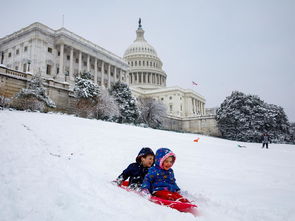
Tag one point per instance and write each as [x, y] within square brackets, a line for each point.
[60, 55]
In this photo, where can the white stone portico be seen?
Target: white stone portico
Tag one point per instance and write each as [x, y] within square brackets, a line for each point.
[60, 55]
[147, 79]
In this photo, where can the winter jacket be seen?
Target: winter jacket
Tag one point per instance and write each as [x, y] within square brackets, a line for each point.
[158, 178]
[135, 172]
[265, 138]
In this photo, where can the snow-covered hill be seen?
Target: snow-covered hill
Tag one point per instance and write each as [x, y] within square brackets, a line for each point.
[59, 167]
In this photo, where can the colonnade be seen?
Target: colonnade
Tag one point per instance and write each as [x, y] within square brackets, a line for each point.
[198, 107]
[147, 78]
[108, 72]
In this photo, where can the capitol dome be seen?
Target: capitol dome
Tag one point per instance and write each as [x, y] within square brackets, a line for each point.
[145, 65]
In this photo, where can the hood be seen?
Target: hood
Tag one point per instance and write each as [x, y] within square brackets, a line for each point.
[144, 152]
[161, 155]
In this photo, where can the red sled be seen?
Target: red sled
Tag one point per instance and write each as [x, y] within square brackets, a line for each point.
[180, 206]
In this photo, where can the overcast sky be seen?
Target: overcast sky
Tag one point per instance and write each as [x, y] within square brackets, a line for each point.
[223, 45]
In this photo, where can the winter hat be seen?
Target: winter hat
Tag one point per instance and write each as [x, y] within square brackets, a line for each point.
[144, 152]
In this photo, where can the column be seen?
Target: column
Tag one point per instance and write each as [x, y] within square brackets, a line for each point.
[71, 65]
[95, 71]
[120, 75]
[203, 109]
[61, 63]
[115, 74]
[88, 63]
[80, 64]
[102, 73]
[109, 76]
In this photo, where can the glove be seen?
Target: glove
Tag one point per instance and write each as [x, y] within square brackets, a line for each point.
[118, 181]
[145, 193]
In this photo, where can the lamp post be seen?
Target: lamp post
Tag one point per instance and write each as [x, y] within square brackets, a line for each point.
[29, 62]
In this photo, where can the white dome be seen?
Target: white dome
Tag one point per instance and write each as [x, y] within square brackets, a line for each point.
[145, 67]
[140, 46]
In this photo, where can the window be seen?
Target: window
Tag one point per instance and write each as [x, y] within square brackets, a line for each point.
[68, 57]
[24, 67]
[58, 53]
[50, 50]
[162, 99]
[85, 63]
[25, 48]
[9, 54]
[139, 63]
[77, 60]
[16, 68]
[171, 107]
[48, 69]
[170, 98]
[17, 51]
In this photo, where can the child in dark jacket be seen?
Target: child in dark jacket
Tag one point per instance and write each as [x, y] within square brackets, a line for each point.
[160, 179]
[137, 171]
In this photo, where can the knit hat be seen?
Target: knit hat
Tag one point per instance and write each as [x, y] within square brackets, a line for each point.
[143, 153]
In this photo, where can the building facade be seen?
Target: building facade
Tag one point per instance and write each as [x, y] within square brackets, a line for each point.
[60, 55]
[147, 79]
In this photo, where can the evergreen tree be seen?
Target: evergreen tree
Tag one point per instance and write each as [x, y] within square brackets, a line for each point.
[129, 112]
[246, 117]
[85, 88]
[87, 94]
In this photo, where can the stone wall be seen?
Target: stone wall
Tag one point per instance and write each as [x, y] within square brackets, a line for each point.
[12, 81]
[203, 125]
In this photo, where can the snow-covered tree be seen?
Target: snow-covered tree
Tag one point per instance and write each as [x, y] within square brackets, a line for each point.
[85, 88]
[246, 117]
[129, 112]
[34, 97]
[106, 107]
[152, 112]
[86, 93]
[4, 102]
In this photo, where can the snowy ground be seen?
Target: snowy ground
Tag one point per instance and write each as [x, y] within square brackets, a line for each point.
[59, 167]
